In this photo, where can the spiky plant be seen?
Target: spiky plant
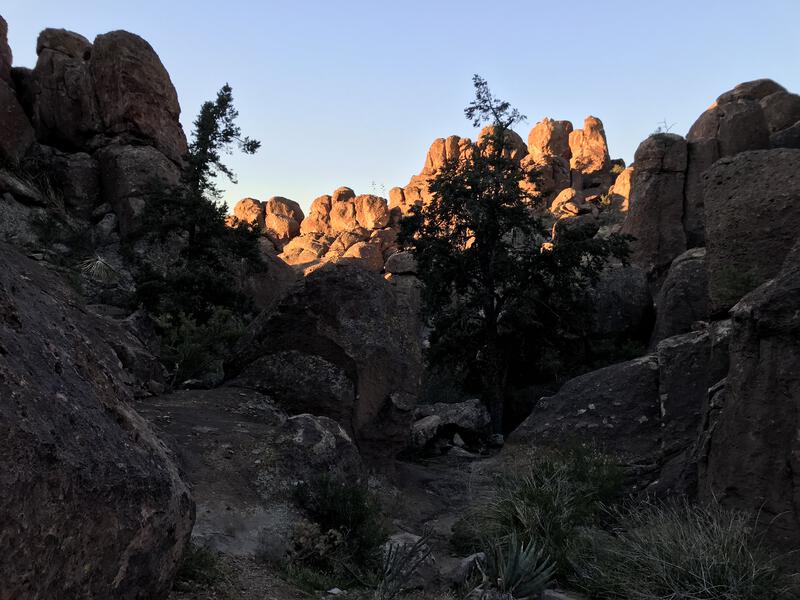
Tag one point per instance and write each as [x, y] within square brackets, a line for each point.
[400, 562]
[99, 270]
[516, 570]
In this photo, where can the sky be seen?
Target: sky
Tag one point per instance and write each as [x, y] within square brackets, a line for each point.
[345, 92]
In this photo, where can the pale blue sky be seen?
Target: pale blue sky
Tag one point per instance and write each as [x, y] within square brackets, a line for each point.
[351, 92]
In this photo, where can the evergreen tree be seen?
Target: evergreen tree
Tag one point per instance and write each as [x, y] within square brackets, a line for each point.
[497, 302]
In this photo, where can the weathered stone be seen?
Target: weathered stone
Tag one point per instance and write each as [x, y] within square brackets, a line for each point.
[620, 192]
[342, 194]
[304, 249]
[754, 451]
[366, 255]
[386, 239]
[401, 263]
[589, 147]
[282, 218]
[243, 457]
[515, 147]
[786, 138]
[655, 216]
[751, 90]
[752, 204]
[135, 94]
[616, 407]
[683, 298]
[318, 217]
[132, 176]
[551, 176]
[701, 154]
[470, 418]
[358, 322]
[372, 212]
[569, 202]
[250, 212]
[343, 216]
[17, 134]
[78, 464]
[550, 138]
[781, 110]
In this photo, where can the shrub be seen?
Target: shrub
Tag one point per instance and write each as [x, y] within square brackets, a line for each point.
[199, 567]
[558, 493]
[679, 551]
[516, 569]
[400, 563]
[351, 510]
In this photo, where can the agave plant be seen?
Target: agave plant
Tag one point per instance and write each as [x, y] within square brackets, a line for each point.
[400, 563]
[516, 570]
[99, 269]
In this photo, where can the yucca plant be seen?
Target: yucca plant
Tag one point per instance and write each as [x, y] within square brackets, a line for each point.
[99, 270]
[400, 563]
[516, 570]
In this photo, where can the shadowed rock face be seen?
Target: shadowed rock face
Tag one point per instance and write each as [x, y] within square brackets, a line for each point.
[754, 449]
[752, 204]
[5, 52]
[90, 501]
[360, 334]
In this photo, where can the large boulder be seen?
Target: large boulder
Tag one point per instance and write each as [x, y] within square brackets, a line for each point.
[683, 297]
[550, 138]
[754, 450]
[781, 110]
[282, 218]
[318, 219]
[589, 148]
[250, 212]
[621, 303]
[17, 134]
[243, 457]
[752, 205]
[616, 407]
[372, 212]
[135, 94]
[358, 324]
[655, 215]
[133, 176]
[91, 503]
[65, 108]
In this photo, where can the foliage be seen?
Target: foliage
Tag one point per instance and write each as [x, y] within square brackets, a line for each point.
[497, 303]
[197, 276]
[558, 493]
[617, 168]
[520, 570]
[190, 348]
[199, 567]
[680, 551]
[350, 512]
[309, 579]
[400, 563]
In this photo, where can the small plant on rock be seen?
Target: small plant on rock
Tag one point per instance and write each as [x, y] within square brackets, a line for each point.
[400, 563]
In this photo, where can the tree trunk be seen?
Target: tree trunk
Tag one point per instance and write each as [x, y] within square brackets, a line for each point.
[494, 377]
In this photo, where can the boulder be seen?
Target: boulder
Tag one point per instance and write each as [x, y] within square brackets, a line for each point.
[342, 242]
[91, 503]
[343, 216]
[655, 216]
[365, 327]
[65, 109]
[620, 192]
[77, 178]
[372, 212]
[469, 418]
[342, 194]
[754, 450]
[386, 239]
[5, 53]
[304, 249]
[689, 364]
[616, 407]
[683, 297]
[18, 135]
[781, 110]
[401, 263]
[243, 457]
[135, 94]
[441, 151]
[701, 154]
[132, 176]
[550, 138]
[568, 203]
[515, 147]
[751, 90]
[752, 206]
[366, 255]
[250, 212]
[589, 147]
[786, 138]
[318, 219]
[550, 176]
[282, 218]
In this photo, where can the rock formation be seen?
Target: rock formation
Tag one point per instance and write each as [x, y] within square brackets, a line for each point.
[91, 503]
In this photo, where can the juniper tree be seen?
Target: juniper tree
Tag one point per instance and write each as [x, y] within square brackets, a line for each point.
[496, 301]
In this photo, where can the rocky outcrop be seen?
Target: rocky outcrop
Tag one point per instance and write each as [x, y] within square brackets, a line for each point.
[91, 504]
[622, 307]
[469, 420]
[753, 452]
[550, 138]
[243, 457]
[656, 202]
[752, 204]
[18, 135]
[361, 335]
[589, 149]
[616, 407]
[683, 298]
[5, 52]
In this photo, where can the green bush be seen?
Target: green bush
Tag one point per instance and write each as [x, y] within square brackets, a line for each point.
[680, 551]
[548, 502]
[199, 567]
[348, 511]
